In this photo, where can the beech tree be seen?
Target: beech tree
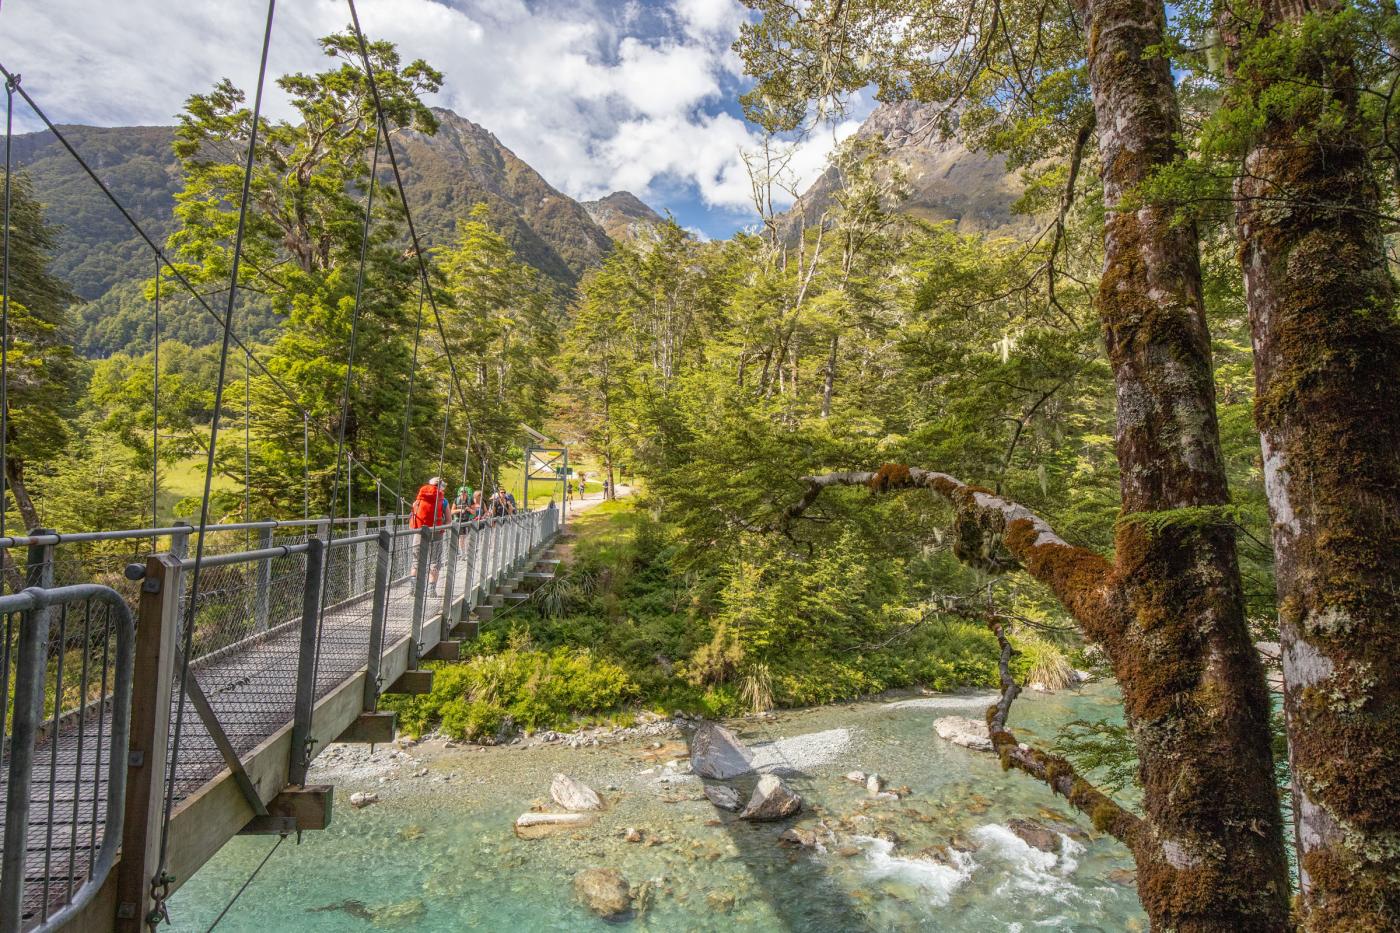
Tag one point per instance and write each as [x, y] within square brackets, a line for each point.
[1168, 608]
[1326, 337]
[301, 251]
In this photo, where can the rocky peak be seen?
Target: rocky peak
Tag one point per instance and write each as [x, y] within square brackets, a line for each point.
[623, 215]
[947, 180]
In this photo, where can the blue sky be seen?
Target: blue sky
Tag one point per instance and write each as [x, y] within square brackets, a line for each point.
[597, 96]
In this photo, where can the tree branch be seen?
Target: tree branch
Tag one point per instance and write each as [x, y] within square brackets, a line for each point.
[986, 528]
[1106, 815]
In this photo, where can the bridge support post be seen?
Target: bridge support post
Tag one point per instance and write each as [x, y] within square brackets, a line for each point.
[420, 592]
[162, 592]
[379, 611]
[449, 558]
[300, 754]
[497, 533]
[361, 556]
[263, 594]
[180, 540]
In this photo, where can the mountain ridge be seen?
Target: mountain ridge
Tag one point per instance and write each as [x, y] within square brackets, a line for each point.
[947, 180]
[100, 256]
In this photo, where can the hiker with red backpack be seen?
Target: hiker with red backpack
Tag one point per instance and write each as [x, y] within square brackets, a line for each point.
[430, 511]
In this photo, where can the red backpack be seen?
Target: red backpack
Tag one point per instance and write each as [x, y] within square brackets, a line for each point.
[427, 508]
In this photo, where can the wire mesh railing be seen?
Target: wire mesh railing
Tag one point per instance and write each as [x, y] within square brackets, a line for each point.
[67, 677]
[277, 627]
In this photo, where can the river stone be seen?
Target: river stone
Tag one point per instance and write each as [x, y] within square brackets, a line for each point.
[717, 753]
[573, 795]
[1035, 834]
[798, 838]
[360, 800]
[874, 784]
[402, 914]
[726, 798]
[1123, 877]
[855, 777]
[771, 800]
[604, 891]
[969, 733]
[537, 825]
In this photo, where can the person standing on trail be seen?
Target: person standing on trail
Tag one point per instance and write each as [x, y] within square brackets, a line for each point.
[430, 511]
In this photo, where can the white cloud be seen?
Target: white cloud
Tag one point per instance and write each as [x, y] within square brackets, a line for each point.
[597, 96]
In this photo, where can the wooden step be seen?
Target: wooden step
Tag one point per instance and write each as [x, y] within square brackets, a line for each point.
[444, 651]
[412, 682]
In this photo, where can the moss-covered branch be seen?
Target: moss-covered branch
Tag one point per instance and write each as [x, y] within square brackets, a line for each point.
[1054, 770]
[995, 534]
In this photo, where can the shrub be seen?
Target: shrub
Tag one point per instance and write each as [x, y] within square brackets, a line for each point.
[533, 688]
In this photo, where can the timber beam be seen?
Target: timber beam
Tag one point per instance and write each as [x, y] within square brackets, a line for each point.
[295, 809]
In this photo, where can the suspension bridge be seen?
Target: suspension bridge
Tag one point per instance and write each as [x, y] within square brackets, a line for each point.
[272, 677]
[166, 688]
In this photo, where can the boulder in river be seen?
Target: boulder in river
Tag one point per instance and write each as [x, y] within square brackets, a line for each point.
[798, 838]
[855, 777]
[536, 825]
[874, 784]
[726, 798]
[1036, 835]
[362, 799]
[960, 730]
[605, 892]
[717, 753]
[771, 800]
[573, 795]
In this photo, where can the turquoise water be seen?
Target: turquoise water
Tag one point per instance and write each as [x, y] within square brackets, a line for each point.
[438, 853]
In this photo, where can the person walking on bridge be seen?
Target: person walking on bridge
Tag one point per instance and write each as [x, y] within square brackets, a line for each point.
[430, 511]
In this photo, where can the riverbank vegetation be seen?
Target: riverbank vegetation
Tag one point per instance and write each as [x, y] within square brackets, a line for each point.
[629, 626]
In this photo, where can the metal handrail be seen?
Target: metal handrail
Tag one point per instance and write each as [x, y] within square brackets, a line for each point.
[26, 721]
[129, 533]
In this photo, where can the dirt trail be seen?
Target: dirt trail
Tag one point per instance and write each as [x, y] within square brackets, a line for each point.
[564, 546]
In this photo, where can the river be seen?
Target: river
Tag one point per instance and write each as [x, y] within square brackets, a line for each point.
[438, 852]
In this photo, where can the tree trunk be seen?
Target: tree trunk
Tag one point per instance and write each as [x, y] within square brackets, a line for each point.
[1193, 687]
[1327, 366]
[829, 384]
[14, 473]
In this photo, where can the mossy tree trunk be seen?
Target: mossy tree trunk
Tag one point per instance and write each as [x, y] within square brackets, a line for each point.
[1209, 850]
[1327, 373]
[1173, 625]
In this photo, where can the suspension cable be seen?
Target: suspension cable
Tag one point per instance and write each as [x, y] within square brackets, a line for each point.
[173, 270]
[340, 451]
[403, 197]
[192, 604]
[155, 410]
[412, 378]
[239, 893]
[247, 439]
[11, 81]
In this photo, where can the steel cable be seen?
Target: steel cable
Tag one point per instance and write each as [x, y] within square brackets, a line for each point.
[165, 260]
[192, 605]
